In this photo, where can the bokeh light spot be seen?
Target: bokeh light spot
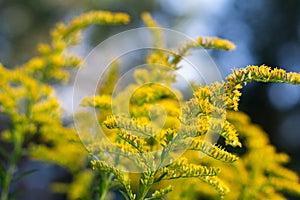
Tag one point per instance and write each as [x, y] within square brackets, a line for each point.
[284, 96]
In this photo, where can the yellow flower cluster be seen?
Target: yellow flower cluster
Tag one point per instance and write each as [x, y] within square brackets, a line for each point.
[261, 73]
[188, 125]
[261, 174]
[181, 168]
[87, 19]
[140, 127]
[155, 28]
[172, 135]
[267, 177]
[50, 65]
[213, 151]
[218, 184]
[34, 112]
[134, 141]
[101, 102]
[162, 192]
[201, 42]
[36, 123]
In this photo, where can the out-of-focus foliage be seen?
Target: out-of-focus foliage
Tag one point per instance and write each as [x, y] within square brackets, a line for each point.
[35, 117]
[258, 174]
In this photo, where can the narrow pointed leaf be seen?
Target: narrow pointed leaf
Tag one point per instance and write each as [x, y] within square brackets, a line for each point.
[22, 175]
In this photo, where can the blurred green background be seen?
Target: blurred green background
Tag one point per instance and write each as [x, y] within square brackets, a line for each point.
[265, 32]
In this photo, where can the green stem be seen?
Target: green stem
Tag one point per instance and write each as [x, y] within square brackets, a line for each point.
[144, 193]
[7, 182]
[145, 188]
[11, 169]
[104, 185]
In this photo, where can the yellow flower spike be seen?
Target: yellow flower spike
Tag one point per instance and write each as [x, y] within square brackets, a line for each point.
[216, 183]
[130, 124]
[57, 60]
[285, 186]
[81, 185]
[281, 172]
[230, 134]
[201, 42]
[64, 36]
[165, 136]
[155, 58]
[261, 73]
[154, 27]
[293, 78]
[212, 151]
[59, 29]
[59, 46]
[162, 192]
[73, 61]
[36, 64]
[102, 102]
[203, 93]
[148, 20]
[282, 158]
[181, 168]
[110, 122]
[44, 49]
[86, 19]
[46, 108]
[141, 76]
[134, 141]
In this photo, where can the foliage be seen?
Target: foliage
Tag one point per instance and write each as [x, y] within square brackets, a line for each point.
[35, 128]
[27, 98]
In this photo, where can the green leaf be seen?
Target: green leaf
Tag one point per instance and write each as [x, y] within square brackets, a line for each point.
[160, 177]
[3, 152]
[23, 174]
[124, 194]
[2, 172]
[13, 195]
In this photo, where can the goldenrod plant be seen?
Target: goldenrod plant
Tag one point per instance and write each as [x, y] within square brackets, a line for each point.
[177, 159]
[209, 111]
[28, 100]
